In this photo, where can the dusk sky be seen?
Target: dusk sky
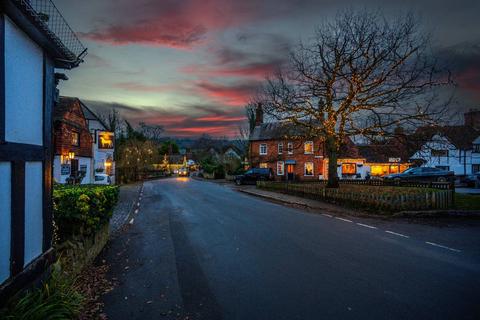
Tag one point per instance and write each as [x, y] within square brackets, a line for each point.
[192, 65]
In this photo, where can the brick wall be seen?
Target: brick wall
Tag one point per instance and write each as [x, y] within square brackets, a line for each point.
[72, 120]
[298, 155]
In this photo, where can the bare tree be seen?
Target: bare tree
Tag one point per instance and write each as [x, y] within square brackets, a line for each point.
[361, 74]
[151, 131]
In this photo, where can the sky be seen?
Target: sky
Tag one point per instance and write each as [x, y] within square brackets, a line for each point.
[192, 65]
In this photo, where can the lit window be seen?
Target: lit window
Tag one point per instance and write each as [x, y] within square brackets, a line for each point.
[308, 147]
[280, 168]
[105, 140]
[309, 168]
[290, 148]
[75, 139]
[263, 149]
[280, 148]
[263, 165]
[439, 153]
[349, 168]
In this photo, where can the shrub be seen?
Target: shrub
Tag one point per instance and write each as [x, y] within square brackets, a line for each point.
[81, 210]
[56, 298]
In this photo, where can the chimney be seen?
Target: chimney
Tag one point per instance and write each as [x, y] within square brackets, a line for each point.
[259, 115]
[472, 118]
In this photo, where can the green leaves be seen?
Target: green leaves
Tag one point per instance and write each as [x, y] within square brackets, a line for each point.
[81, 210]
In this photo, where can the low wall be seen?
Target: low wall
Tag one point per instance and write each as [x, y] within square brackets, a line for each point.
[75, 254]
[387, 198]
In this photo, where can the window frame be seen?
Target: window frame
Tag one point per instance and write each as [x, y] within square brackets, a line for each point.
[305, 169]
[75, 134]
[290, 147]
[305, 147]
[260, 149]
[282, 163]
[280, 148]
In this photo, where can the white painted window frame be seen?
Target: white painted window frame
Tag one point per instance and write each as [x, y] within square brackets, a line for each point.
[290, 148]
[305, 169]
[260, 149]
[280, 148]
[282, 163]
[305, 145]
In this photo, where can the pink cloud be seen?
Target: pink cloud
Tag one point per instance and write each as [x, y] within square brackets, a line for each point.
[231, 95]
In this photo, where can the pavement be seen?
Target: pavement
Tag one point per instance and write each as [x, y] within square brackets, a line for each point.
[199, 250]
[127, 198]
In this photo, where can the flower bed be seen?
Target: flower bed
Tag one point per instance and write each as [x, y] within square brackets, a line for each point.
[376, 198]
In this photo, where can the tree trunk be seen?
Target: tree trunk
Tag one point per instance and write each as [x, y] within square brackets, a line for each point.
[332, 150]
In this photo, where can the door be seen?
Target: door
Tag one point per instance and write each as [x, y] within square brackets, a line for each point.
[290, 174]
[74, 167]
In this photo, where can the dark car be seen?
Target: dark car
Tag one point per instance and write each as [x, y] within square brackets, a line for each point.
[473, 180]
[253, 175]
[422, 174]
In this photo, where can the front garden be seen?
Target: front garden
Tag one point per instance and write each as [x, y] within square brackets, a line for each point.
[370, 197]
[81, 216]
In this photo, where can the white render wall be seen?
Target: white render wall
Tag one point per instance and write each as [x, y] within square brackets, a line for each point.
[57, 167]
[458, 161]
[5, 220]
[33, 210]
[23, 87]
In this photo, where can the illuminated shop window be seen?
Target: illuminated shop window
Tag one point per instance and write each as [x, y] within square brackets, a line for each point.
[349, 168]
[263, 165]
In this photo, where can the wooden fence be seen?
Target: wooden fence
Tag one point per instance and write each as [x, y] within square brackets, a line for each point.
[391, 183]
[402, 199]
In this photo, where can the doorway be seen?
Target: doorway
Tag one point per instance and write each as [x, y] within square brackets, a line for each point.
[290, 172]
[74, 167]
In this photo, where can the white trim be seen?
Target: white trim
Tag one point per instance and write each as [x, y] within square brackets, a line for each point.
[283, 168]
[304, 145]
[305, 169]
[260, 149]
[290, 148]
[280, 144]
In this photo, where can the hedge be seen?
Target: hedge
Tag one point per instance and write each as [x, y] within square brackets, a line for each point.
[81, 210]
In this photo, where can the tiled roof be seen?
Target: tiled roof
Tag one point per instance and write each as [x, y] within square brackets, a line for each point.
[461, 137]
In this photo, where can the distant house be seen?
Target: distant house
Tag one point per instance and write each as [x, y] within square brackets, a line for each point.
[31, 47]
[385, 158]
[454, 148]
[73, 143]
[103, 146]
[272, 146]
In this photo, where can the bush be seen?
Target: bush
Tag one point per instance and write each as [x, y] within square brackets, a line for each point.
[81, 210]
[57, 298]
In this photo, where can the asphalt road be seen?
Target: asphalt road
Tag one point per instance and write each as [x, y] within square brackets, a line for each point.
[198, 250]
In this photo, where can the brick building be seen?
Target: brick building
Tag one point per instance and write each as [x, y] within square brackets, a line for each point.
[72, 142]
[272, 146]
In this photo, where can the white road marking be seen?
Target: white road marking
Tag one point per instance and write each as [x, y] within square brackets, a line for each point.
[397, 234]
[138, 204]
[136, 211]
[443, 247]
[366, 226]
[326, 215]
[131, 221]
[346, 220]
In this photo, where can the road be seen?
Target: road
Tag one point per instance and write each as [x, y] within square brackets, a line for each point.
[198, 250]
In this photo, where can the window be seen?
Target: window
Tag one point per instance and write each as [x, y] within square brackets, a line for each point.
[476, 148]
[263, 165]
[75, 139]
[280, 148]
[105, 140]
[280, 168]
[290, 148]
[439, 153]
[99, 178]
[475, 168]
[308, 146]
[349, 168]
[263, 149]
[309, 168]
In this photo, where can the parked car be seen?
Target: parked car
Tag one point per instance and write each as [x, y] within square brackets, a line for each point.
[183, 172]
[473, 180]
[102, 178]
[253, 175]
[422, 174]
